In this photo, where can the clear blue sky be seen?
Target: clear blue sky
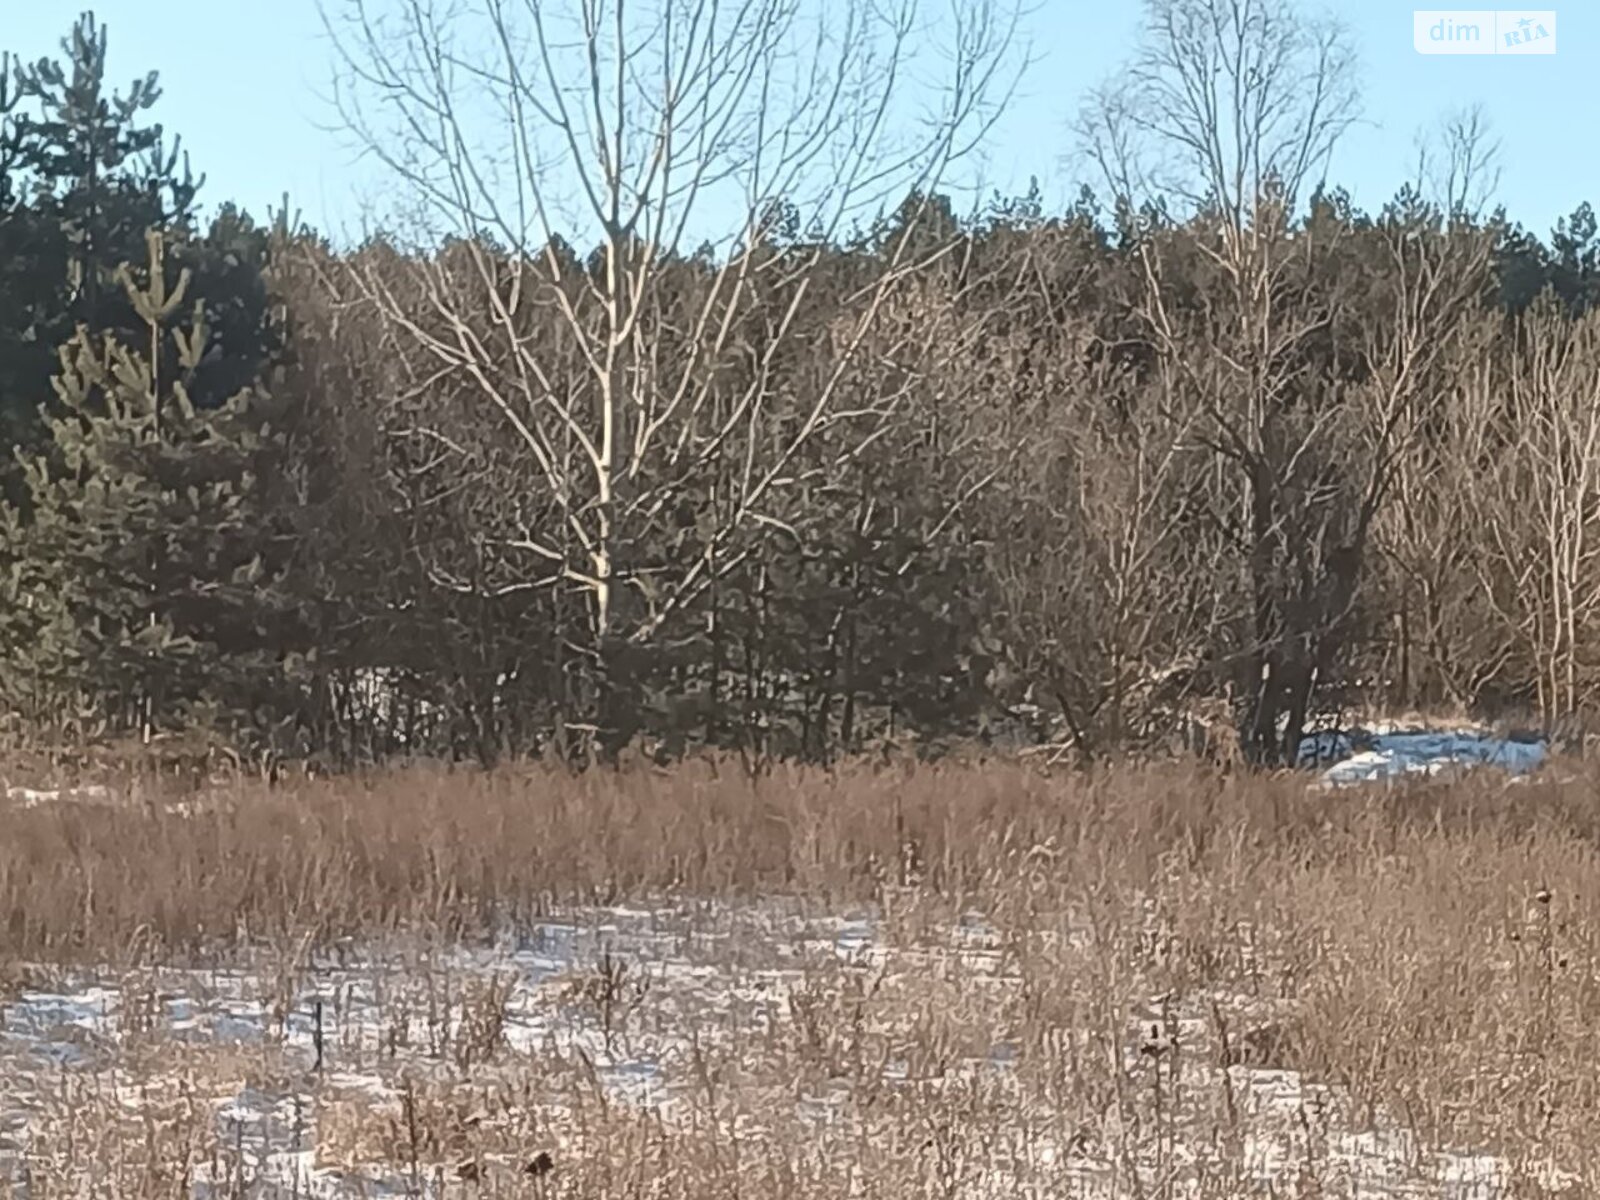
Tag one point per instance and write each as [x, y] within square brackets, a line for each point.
[246, 84]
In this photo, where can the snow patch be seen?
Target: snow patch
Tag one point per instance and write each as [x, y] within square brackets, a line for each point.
[27, 797]
[1376, 755]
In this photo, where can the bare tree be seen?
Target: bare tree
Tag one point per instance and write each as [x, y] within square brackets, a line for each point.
[1533, 502]
[1458, 163]
[1232, 110]
[1446, 648]
[1442, 650]
[1103, 575]
[650, 126]
[1228, 103]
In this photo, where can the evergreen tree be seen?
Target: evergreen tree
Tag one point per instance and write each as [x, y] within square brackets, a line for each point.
[135, 590]
[1575, 260]
[82, 177]
[31, 253]
[109, 177]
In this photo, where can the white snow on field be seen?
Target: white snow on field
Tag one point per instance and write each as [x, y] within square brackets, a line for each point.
[1378, 754]
[27, 797]
[704, 979]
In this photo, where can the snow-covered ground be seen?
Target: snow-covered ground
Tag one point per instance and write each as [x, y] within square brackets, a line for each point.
[1380, 752]
[807, 1028]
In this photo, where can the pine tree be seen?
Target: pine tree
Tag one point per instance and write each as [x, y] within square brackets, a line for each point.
[136, 593]
[83, 175]
[32, 251]
[111, 176]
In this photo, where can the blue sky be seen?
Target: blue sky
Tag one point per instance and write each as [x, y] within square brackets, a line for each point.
[246, 84]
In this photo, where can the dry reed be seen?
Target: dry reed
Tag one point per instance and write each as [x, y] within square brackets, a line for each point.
[1425, 959]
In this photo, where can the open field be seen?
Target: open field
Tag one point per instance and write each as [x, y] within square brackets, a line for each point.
[968, 981]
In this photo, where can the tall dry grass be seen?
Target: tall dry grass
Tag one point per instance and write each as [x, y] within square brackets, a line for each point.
[1433, 950]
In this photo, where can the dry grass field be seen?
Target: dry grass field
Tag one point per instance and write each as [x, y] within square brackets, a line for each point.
[969, 981]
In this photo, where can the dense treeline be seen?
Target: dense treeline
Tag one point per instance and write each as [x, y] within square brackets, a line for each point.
[1224, 449]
